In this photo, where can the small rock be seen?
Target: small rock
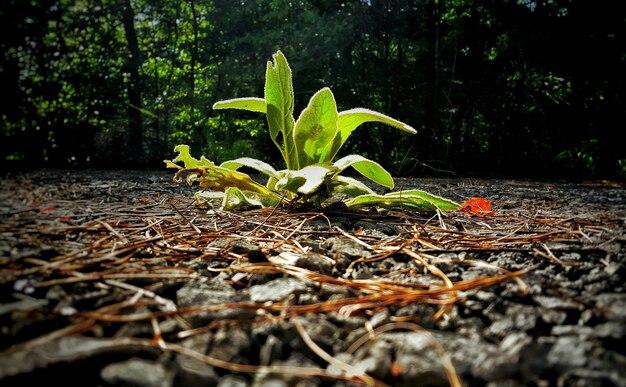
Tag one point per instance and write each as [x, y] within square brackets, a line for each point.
[417, 360]
[271, 349]
[138, 372]
[232, 381]
[613, 305]
[315, 262]
[361, 272]
[254, 252]
[611, 329]
[346, 247]
[517, 317]
[552, 316]
[379, 228]
[231, 344]
[194, 372]
[27, 304]
[263, 379]
[549, 302]
[380, 318]
[213, 292]
[376, 359]
[589, 378]
[277, 290]
[568, 352]
[581, 331]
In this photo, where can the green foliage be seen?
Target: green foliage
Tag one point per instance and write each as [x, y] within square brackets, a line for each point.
[319, 131]
[494, 85]
[308, 146]
[416, 200]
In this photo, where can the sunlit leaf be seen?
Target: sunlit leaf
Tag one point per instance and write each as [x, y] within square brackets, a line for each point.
[415, 200]
[208, 175]
[316, 127]
[307, 180]
[252, 104]
[351, 187]
[368, 168]
[279, 107]
[349, 120]
[234, 198]
[258, 165]
[185, 157]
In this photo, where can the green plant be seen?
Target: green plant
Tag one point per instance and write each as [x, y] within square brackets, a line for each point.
[308, 146]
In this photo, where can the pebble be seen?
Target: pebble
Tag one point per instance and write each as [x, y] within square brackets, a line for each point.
[138, 372]
[276, 290]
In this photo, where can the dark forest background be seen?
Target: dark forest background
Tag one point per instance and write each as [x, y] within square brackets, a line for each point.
[526, 87]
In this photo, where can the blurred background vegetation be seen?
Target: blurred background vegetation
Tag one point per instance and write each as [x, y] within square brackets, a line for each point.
[519, 87]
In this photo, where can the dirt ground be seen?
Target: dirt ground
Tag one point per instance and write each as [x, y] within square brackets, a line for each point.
[115, 278]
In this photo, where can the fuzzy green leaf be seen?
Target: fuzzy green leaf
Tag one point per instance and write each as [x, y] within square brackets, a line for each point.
[208, 175]
[416, 200]
[316, 128]
[349, 120]
[234, 198]
[368, 168]
[351, 187]
[252, 104]
[307, 180]
[258, 165]
[279, 107]
[445, 205]
[185, 157]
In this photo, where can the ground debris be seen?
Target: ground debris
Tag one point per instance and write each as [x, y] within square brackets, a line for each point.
[117, 277]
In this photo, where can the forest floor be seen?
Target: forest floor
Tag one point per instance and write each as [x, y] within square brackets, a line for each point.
[115, 278]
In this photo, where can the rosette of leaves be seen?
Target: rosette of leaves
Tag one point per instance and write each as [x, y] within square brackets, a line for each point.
[308, 146]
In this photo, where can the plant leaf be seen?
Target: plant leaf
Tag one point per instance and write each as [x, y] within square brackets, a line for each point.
[416, 200]
[188, 160]
[443, 204]
[279, 107]
[234, 198]
[252, 104]
[307, 180]
[208, 175]
[368, 168]
[349, 120]
[351, 187]
[258, 165]
[316, 128]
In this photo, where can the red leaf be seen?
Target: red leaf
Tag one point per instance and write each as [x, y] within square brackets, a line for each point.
[396, 370]
[47, 209]
[143, 198]
[477, 207]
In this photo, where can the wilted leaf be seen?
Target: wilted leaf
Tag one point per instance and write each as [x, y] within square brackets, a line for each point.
[208, 175]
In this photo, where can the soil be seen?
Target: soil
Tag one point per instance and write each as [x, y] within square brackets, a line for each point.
[116, 278]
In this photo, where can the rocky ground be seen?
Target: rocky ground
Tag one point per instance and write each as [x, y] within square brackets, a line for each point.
[114, 278]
